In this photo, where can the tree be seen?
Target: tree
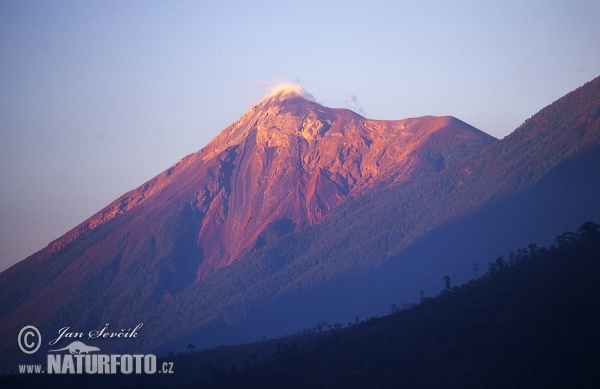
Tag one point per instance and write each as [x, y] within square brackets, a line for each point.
[588, 229]
[533, 250]
[565, 239]
[500, 263]
[447, 283]
[191, 347]
[497, 265]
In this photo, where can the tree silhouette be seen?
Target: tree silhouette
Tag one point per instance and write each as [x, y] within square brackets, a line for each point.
[565, 239]
[533, 250]
[447, 283]
[512, 258]
[588, 230]
[500, 263]
[191, 347]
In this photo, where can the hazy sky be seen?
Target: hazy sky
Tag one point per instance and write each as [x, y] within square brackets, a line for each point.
[96, 97]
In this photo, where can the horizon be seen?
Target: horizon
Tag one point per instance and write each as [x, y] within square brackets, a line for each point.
[98, 98]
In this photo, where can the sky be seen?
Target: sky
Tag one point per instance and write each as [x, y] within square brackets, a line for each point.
[97, 97]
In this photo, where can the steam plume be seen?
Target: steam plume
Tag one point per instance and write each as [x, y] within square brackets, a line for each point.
[277, 87]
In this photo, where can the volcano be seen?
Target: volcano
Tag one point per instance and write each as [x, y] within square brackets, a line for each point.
[298, 213]
[283, 165]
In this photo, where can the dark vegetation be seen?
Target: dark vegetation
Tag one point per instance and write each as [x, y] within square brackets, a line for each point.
[530, 321]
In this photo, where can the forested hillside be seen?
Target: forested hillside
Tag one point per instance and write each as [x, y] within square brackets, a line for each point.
[529, 321]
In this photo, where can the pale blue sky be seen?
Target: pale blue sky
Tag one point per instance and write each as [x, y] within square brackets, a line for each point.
[96, 97]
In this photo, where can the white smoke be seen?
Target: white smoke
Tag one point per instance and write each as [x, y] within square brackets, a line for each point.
[281, 88]
[286, 88]
[355, 106]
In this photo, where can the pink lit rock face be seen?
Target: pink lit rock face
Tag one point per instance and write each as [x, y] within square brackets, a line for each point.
[287, 161]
